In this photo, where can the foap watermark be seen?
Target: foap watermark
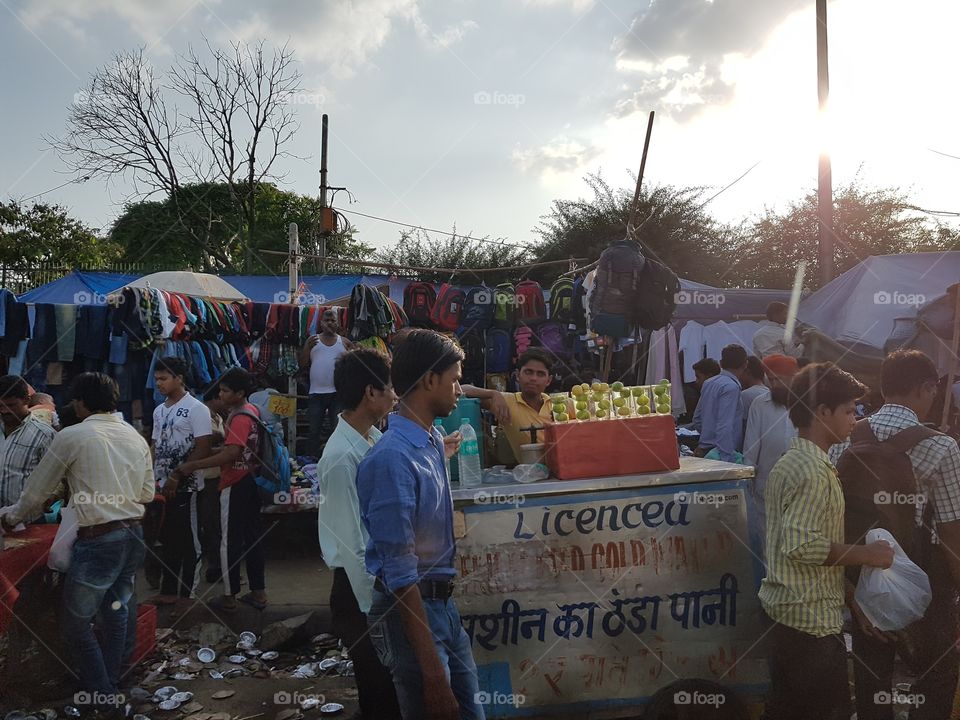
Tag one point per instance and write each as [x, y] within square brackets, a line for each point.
[701, 498]
[493, 497]
[98, 699]
[88, 297]
[898, 698]
[898, 498]
[303, 98]
[98, 498]
[882, 297]
[684, 697]
[307, 499]
[498, 698]
[698, 297]
[495, 97]
[304, 700]
[304, 298]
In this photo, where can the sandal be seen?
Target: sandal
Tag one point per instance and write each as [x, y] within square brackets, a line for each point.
[250, 600]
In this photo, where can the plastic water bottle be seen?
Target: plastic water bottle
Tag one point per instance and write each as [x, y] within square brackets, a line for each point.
[469, 457]
[438, 424]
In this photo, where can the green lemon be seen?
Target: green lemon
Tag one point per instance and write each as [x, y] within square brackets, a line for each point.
[619, 402]
[583, 415]
[601, 413]
[576, 391]
[581, 405]
[604, 404]
[643, 400]
[617, 386]
[562, 417]
[643, 410]
[623, 411]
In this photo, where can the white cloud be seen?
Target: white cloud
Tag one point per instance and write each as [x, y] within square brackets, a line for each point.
[575, 5]
[562, 155]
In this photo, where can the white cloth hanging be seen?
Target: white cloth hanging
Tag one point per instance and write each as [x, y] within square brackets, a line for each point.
[691, 344]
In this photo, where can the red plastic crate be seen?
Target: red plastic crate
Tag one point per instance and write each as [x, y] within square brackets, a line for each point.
[146, 633]
[601, 448]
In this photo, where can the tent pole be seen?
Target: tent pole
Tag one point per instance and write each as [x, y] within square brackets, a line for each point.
[948, 391]
[293, 283]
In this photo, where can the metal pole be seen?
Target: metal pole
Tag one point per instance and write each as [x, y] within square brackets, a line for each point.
[948, 394]
[825, 175]
[293, 283]
[323, 193]
[643, 164]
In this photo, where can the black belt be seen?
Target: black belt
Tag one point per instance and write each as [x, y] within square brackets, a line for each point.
[94, 531]
[429, 589]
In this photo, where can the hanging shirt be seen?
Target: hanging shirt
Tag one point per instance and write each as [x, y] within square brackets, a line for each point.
[691, 345]
[717, 336]
[175, 431]
[322, 359]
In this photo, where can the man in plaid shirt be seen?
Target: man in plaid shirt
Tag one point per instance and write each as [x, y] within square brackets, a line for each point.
[25, 438]
[908, 381]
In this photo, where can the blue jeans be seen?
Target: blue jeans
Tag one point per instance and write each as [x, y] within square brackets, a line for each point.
[396, 654]
[100, 581]
[321, 414]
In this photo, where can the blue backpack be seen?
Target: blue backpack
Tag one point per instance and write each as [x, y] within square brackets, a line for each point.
[273, 475]
[477, 309]
[499, 351]
[553, 338]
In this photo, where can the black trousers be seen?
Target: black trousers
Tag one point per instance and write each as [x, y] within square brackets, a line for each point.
[808, 676]
[210, 522]
[241, 537]
[928, 649]
[180, 554]
[378, 699]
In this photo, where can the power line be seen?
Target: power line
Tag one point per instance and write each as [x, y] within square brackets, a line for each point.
[433, 230]
[45, 192]
[727, 187]
[954, 157]
[945, 213]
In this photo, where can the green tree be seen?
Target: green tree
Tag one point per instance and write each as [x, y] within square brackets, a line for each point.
[161, 233]
[867, 221]
[673, 225]
[417, 249]
[46, 233]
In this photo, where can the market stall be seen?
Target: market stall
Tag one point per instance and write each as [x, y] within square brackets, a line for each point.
[596, 597]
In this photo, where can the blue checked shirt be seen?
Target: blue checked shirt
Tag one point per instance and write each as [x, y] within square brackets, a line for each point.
[406, 506]
[20, 453]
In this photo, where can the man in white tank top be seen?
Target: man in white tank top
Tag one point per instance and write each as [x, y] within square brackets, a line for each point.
[320, 355]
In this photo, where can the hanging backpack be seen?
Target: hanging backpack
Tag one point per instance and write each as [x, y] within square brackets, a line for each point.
[554, 339]
[578, 306]
[657, 298]
[877, 480]
[498, 352]
[531, 307]
[478, 309]
[561, 300]
[615, 295]
[523, 339]
[472, 344]
[418, 301]
[273, 475]
[448, 307]
[504, 306]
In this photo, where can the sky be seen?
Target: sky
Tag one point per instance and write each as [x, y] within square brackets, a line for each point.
[479, 113]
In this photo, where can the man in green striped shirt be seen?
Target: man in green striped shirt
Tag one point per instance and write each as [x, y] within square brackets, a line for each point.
[803, 592]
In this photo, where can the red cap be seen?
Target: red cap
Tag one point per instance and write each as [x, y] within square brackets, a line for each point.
[782, 365]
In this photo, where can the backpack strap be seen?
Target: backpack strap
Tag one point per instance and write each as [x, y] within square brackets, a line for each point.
[863, 434]
[905, 440]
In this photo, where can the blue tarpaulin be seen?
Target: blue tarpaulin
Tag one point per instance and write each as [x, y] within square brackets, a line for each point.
[81, 288]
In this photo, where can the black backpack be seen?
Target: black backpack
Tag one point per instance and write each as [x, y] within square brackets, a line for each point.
[657, 296]
[877, 480]
[418, 301]
[474, 346]
[616, 289]
[477, 309]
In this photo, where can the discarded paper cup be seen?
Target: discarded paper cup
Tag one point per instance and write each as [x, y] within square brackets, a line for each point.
[248, 637]
[165, 692]
[270, 655]
[237, 659]
[206, 655]
[331, 709]
[253, 652]
[182, 697]
[170, 704]
[329, 664]
[309, 703]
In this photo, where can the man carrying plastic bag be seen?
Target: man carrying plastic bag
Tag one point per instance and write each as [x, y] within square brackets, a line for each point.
[893, 598]
[898, 475]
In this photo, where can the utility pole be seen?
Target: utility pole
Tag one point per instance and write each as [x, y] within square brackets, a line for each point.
[825, 175]
[293, 284]
[324, 209]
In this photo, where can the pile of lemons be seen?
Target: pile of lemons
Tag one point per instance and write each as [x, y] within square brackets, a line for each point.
[602, 401]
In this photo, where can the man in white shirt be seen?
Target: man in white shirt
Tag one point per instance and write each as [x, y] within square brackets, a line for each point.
[769, 429]
[320, 354]
[108, 470]
[768, 340]
[182, 430]
[753, 385]
[362, 381]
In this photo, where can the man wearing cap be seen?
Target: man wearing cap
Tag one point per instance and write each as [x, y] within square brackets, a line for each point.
[769, 429]
[768, 340]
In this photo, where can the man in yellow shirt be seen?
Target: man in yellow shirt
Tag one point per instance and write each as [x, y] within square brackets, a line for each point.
[530, 406]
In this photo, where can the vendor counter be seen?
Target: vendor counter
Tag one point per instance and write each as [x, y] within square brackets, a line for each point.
[596, 598]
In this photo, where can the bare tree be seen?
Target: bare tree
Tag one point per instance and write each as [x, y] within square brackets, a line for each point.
[232, 124]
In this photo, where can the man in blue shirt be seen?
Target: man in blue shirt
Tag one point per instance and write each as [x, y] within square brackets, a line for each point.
[407, 509]
[719, 414]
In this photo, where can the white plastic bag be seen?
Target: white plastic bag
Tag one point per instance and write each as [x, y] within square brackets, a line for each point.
[62, 548]
[892, 598]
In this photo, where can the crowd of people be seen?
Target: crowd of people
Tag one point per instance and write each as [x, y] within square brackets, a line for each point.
[386, 526]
